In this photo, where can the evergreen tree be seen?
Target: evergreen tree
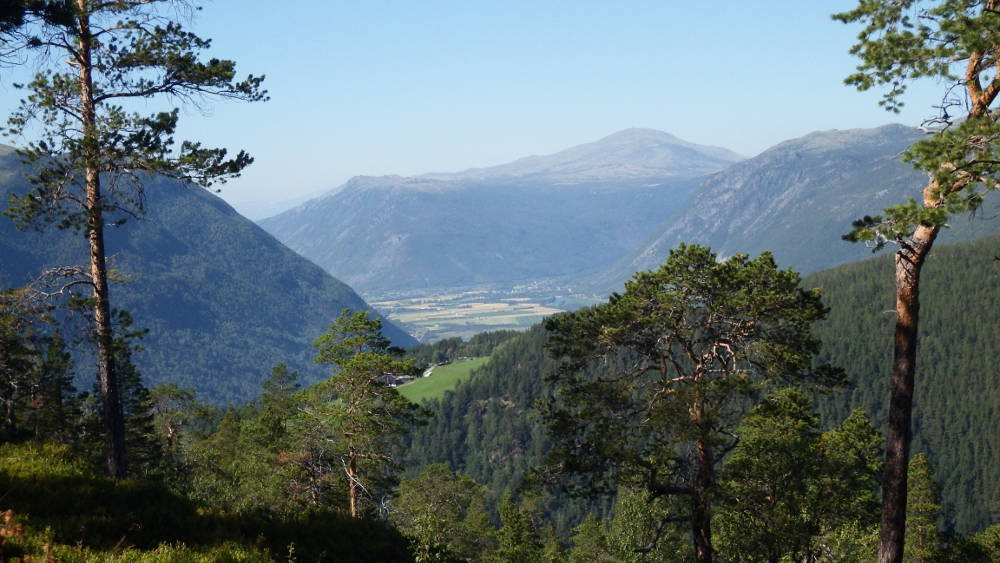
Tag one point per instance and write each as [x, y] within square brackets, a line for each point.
[642, 530]
[36, 391]
[444, 515]
[518, 540]
[277, 404]
[92, 154]
[681, 351]
[989, 543]
[18, 357]
[174, 412]
[954, 42]
[590, 542]
[922, 513]
[787, 486]
[54, 409]
[355, 420]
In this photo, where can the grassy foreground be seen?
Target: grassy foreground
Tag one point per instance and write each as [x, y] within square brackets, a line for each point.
[444, 378]
[54, 508]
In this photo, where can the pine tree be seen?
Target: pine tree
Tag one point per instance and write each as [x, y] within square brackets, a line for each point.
[590, 542]
[922, 511]
[786, 486]
[517, 537]
[355, 420]
[672, 362]
[92, 155]
[954, 42]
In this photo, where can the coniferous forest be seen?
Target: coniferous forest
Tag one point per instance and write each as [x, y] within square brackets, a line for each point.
[713, 408]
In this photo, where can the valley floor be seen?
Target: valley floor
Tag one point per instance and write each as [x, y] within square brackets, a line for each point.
[432, 315]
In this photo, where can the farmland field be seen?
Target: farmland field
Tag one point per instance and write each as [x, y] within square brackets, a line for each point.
[443, 378]
[464, 313]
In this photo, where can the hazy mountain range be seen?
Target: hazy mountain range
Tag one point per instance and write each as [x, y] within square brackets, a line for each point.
[592, 215]
[224, 301]
[574, 212]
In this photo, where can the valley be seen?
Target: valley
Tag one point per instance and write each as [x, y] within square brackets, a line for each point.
[500, 314]
[462, 312]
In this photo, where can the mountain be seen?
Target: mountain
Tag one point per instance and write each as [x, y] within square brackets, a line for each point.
[223, 300]
[488, 427]
[628, 154]
[796, 199]
[557, 216]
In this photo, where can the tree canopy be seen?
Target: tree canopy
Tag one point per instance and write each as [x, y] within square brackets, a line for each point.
[679, 353]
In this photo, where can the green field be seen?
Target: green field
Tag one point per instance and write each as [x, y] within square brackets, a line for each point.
[444, 378]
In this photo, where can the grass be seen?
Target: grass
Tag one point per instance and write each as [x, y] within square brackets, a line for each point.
[55, 508]
[444, 378]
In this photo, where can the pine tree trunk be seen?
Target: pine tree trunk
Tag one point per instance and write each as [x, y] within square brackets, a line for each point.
[352, 482]
[701, 514]
[910, 260]
[114, 425]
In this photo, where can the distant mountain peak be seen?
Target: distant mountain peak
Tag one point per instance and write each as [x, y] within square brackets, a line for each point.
[641, 134]
[627, 154]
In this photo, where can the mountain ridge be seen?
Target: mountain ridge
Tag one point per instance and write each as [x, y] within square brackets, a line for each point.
[557, 216]
[796, 199]
[224, 300]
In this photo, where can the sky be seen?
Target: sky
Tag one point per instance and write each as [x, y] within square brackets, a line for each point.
[375, 87]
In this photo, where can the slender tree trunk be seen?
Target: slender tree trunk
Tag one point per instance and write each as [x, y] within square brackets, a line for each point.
[10, 416]
[352, 482]
[114, 425]
[910, 260]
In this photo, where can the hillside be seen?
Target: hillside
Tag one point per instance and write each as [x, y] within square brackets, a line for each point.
[555, 216]
[485, 427]
[796, 199]
[223, 300]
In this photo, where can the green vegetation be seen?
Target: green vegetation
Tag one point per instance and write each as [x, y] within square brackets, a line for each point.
[58, 507]
[653, 384]
[355, 418]
[444, 378]
[485, 427]
[272, 475]
[89, 157]
[956, 396]
[453, 349]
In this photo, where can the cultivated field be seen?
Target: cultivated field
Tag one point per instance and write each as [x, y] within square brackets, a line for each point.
[431, 318]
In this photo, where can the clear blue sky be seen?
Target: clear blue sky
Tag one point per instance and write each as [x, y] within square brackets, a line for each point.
[405, 87]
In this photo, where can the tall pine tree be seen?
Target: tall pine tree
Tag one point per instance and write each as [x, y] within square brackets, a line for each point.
[90, 153]
[956, 43]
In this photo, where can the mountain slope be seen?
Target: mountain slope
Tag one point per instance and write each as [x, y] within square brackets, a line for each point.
[555, 216]
[796, 199]
[224, 301]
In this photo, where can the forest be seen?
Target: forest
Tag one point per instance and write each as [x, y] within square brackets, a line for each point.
[715, 408]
